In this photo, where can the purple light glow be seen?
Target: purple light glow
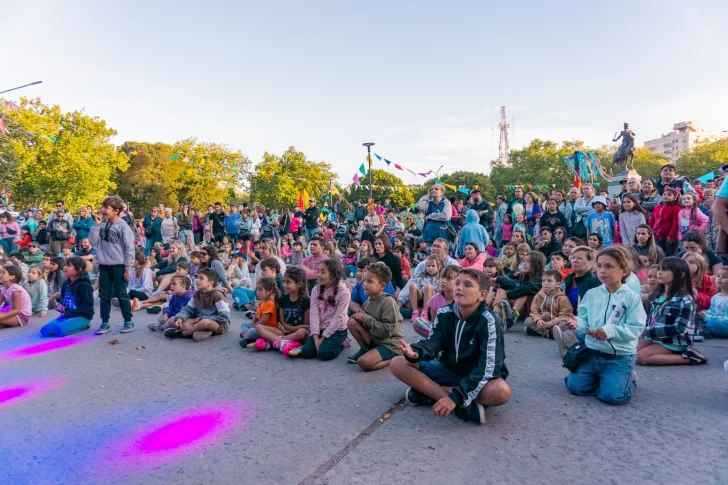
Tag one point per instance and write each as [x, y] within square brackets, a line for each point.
[191, 431]
[45, 347]
[25, 391]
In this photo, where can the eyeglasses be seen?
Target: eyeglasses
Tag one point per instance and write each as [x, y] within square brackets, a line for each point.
[59, 205]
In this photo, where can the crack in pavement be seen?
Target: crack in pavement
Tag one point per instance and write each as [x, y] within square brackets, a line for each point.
[329, 464]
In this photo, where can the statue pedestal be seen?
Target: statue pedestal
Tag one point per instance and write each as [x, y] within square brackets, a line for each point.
[615, 187]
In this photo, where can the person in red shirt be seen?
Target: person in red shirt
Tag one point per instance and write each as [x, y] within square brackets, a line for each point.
[665, 221]
[406, 269]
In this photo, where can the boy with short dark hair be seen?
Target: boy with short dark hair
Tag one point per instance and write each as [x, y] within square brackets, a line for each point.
[206, 314]
[399, 251]
[115, 256]
[298, 254]
[550, 307]
[378, 326]
[559, 262]
[18, 258]
[471, 371]
[34, 254]
[358, 295]
[66, 250]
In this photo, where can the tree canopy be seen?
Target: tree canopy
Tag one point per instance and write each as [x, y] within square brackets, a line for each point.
[55, 155]
[703, 158]
[386, 185]
[279, 179]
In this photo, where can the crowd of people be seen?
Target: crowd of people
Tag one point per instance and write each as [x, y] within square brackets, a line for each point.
[614, 280]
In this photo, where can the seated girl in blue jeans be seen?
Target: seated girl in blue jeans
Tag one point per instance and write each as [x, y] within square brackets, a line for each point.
[76, 303]
[612, 317]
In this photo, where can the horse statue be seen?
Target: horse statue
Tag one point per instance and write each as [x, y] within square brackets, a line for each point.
[625, 153]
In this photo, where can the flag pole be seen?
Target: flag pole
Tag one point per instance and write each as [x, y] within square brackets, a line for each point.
[19, 87]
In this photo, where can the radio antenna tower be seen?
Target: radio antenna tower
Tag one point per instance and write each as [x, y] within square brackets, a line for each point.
[503, 145]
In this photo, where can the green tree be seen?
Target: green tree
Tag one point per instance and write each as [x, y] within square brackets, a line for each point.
[386, 186]
[279, 179]
[152, 178]
[210, 172]
[703, 158]
[646, 162]
[66, 156]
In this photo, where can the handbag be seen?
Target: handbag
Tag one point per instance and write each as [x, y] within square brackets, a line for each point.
[575, 356]
[579, 229]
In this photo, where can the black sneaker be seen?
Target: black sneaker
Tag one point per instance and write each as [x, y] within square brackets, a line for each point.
[245, 342]
[354, 357]
[174, 333]
[704, 333]
[475, 413]
[694, 357]
[417, 398]
[154, 309]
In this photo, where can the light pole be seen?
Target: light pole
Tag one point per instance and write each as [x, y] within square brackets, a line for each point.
[369, 159]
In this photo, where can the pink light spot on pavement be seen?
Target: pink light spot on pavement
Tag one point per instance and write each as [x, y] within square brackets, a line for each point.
[45, 347]
[190, 431]
[25, 391]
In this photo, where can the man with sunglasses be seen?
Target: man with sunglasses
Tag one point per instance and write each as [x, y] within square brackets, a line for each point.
[152, 229]
[68, 217]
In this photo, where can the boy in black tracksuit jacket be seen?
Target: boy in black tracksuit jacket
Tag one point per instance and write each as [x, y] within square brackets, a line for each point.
[472, 358]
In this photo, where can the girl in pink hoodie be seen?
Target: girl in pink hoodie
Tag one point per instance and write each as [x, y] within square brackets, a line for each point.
[690, 217]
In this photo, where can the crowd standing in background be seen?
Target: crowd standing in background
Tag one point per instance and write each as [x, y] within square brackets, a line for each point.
[635, 278]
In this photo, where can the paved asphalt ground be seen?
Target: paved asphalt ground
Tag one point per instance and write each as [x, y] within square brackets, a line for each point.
[294, 421]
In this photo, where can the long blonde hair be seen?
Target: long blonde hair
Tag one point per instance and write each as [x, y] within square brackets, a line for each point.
[181, 252]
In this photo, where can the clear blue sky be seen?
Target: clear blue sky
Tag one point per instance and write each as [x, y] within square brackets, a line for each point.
[418, 78]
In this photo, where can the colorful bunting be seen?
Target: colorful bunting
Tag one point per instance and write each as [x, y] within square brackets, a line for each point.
[398, 167]
[356, 179]
[362, 170]
[3, 129]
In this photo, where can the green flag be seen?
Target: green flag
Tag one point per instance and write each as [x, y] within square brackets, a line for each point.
[363, 169]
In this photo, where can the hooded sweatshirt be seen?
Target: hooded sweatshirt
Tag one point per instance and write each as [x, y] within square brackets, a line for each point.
[472, 232]
[38, 295]
[471, 348]
[114, 242]
[620, 314]
[551, 309]
[665, 221]
[211, 305]
[77, 297]
[383, 321]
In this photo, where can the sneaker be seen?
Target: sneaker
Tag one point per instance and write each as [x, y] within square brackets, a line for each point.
[245, 341]
[136, 305]
[262, 345]
[154, 310]
[354, 357]
[103, 328]
[699, 337]
[694, 357]
[251, 345]
[249, 314]
[128, 327]
[475, 413]
[415, 314]
[704, 333]
[201, 335]
[293, 352]
[174, 333]
[115, 302]
[277, 344]
[417, 398]
[508, 313]
[291, 346]
[564, 339]
[155, 326]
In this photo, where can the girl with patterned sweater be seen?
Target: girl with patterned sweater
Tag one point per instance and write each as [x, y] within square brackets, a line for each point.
[668, 337]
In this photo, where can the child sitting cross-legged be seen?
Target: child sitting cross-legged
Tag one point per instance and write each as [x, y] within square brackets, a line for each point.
[266, 315]
[181, 295]
[157, 302]
[358, 295]
[470, 373]
[15, 304]
[38, 289]
[76, 303]
[378, 326]
[206, 314]
[293, 315]
[550, 307]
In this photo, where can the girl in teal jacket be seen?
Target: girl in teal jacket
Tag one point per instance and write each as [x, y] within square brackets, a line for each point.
[612, 317]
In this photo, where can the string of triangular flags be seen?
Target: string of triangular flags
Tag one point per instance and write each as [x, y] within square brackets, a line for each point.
[536, 186]
[400, 167]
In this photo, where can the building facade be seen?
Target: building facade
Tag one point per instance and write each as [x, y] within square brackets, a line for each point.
[685, 135]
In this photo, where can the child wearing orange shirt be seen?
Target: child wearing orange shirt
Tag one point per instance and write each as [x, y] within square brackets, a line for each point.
[267, 291]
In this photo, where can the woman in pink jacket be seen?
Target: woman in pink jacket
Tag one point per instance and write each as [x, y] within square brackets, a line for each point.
[473, 257]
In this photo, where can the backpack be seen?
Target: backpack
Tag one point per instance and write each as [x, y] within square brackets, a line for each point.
[267, 232]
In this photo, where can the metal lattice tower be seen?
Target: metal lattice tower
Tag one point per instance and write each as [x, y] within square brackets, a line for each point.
[503, 145]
